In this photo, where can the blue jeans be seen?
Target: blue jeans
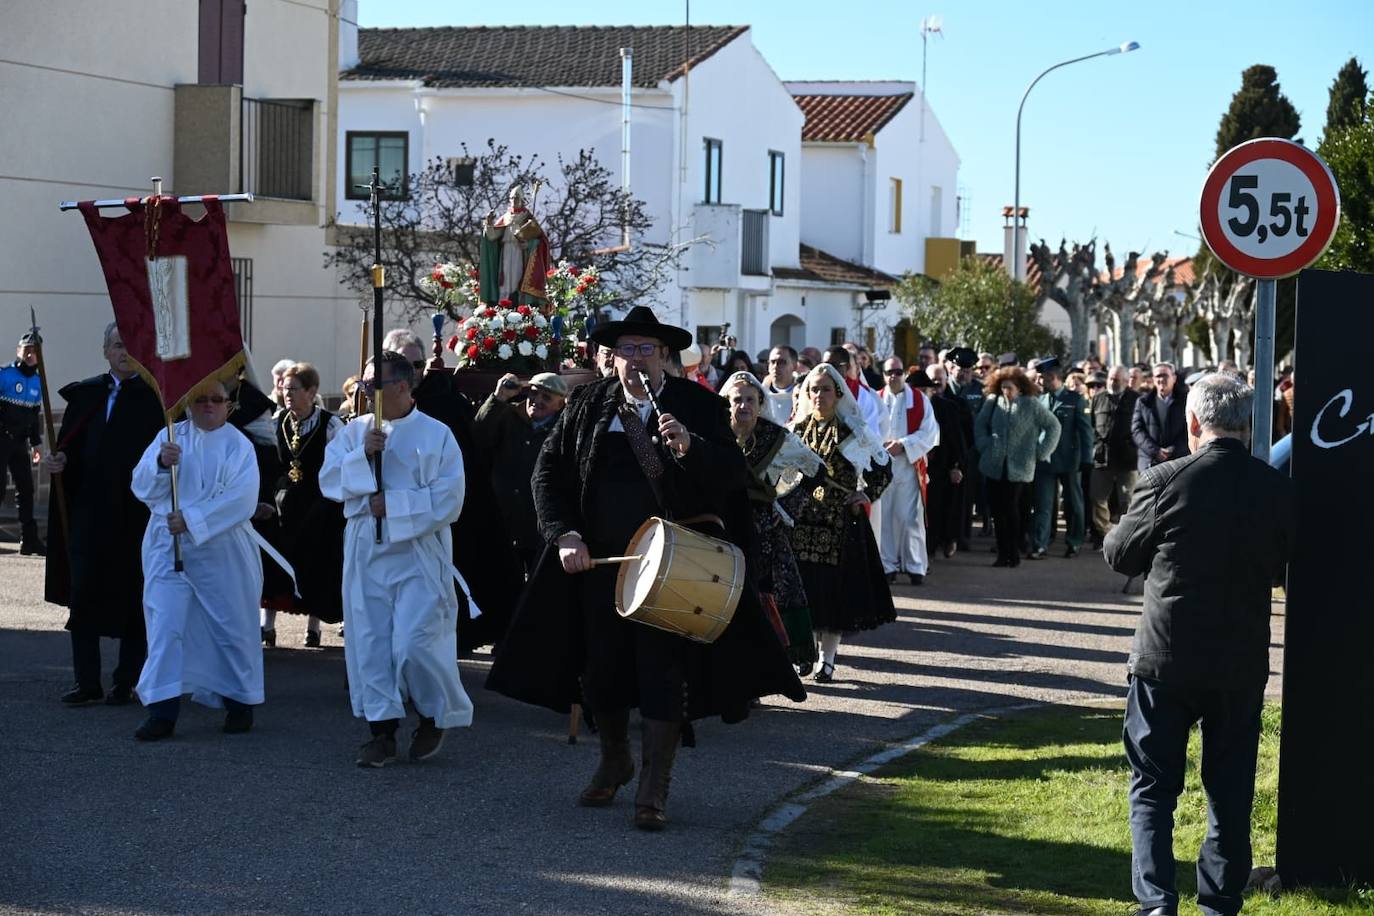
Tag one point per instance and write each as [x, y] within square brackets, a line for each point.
[1158, 719]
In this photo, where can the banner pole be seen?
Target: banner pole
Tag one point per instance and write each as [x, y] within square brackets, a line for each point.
[1262, 420]
[59, 490]
[378, 285]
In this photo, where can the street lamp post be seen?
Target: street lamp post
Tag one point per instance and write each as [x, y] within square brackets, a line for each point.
[1019, 263]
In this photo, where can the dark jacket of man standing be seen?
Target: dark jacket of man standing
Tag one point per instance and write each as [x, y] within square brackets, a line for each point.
[108, 422]
[1209, 531]
[1158, 425]
[1114, 452]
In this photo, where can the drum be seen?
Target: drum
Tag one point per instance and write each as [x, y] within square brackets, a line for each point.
[680, 580]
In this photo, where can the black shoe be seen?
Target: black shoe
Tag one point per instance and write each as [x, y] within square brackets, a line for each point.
[378, 752]
[269, 637]
[826, 675]
[949, 550]
[1071, 552]
[238, 720]
[30, 544]
[120, 696]
[804, 669]
[312, 639]
[82, 696]
[1038, 554]
[155, 729]
[916, 578]
[1001, 561]
[892, 578]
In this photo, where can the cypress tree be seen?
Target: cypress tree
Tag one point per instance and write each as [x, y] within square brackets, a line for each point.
[1347, 101]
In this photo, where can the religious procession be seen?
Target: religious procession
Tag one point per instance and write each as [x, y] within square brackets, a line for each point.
[406, 481]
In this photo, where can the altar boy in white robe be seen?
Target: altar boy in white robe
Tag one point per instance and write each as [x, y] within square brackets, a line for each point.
[400, 604]
[909, 432]
[203, 622]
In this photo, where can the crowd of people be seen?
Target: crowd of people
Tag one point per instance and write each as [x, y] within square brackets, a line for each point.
[453, 525]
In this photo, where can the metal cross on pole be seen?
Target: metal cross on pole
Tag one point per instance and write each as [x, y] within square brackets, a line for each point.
[374, 188]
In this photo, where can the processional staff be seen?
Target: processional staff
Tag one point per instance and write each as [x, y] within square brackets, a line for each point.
[378, 284]
[57, 487]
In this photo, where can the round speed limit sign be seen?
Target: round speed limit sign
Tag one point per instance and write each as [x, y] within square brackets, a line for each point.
[1269, 208]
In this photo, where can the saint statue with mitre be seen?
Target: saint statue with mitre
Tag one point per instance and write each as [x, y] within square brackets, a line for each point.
[514, 255]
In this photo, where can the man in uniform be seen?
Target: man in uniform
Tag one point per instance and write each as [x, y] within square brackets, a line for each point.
[1064, 469]
[619, 454]
[21, 432]
[108, 422]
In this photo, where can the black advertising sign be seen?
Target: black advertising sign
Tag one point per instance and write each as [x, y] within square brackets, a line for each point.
[1326, 771]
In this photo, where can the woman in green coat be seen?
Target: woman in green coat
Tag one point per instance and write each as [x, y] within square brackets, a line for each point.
[1014, 432]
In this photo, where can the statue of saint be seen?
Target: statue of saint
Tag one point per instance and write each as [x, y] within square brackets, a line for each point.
[514, 255]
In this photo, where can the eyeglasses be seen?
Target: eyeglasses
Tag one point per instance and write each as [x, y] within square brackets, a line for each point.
[290, 388]
[210, 399]
[893, 371]
[370, 386]
[630, 351]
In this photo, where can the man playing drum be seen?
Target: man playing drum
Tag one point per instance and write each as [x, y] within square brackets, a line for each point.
[619, 455]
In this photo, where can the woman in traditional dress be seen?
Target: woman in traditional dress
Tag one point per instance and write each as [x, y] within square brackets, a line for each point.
[836, 554]
[306, 527]
[773, 453]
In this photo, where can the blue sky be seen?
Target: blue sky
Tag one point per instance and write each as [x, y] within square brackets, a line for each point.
[1115, 148]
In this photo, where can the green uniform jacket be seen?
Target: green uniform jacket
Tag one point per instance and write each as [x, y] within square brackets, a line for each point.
[1075, 447]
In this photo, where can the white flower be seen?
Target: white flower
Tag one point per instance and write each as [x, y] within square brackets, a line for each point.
[541, 351]
[497, 322]
[504, 351]
[538, 320]
[525, 348]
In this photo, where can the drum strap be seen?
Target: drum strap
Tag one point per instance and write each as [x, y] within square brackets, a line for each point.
[645, 453]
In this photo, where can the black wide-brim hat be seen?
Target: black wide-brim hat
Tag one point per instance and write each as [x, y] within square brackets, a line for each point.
[642, 321]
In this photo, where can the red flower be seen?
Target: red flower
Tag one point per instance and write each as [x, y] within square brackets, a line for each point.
[489, 313]
[572, 271]
[524, 310]
[472, 333]
[438, 273]
[532, 332]
[473, 352]
[509, 334]
[488, 343]
[453, 343]
[445, 284]
[581, 288]
[589, 279]
[472, 274]
[505, 303]
[550, 274]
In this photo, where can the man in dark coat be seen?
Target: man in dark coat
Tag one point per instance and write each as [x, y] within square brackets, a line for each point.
[616, 457]
[966, 389]
[109, 421]
[1210, 531]
[511, 436]
[482, 549]
[1114, 453]
[1064, 469]
[945, 463]
[1158, 425]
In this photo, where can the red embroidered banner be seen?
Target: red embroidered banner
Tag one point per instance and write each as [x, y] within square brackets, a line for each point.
[172, 287]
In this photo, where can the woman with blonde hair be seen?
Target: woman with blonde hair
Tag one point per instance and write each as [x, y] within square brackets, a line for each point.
[836, 553]
[1014, 431]
[777, 461]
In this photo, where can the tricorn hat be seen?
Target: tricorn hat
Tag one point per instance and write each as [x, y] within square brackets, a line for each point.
[917, 378]
[641, 320]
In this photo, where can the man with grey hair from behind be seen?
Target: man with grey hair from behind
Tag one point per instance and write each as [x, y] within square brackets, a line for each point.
[1210, 531]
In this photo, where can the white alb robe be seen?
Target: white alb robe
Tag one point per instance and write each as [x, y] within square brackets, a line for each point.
[872, 409]
[203, 636]
[779, 404]
[899, 517]
[400, 605]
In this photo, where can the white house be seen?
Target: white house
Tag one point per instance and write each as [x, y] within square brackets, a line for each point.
[878, 183]
[226, 98]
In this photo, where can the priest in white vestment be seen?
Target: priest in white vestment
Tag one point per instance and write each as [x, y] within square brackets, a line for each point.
[400, 604]
[909, 432]
[202, 623]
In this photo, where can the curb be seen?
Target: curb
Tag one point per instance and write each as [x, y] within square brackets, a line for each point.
[746, 876]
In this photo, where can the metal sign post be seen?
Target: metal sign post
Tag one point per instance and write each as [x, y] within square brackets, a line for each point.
[1269, 208]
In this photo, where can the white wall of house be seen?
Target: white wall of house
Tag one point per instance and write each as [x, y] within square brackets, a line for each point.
[84, 118]
[835, 194]
[920, 167]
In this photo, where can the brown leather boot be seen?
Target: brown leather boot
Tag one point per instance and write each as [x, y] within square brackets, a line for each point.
[660, 746]
[617, 766]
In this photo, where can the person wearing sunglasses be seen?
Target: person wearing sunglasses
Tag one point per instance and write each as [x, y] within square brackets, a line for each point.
[399, 602]
[620, 454]
[202, 622]
[909, 432]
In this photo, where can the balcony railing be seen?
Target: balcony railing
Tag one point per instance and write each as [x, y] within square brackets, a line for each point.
[278, 143]
[754, 259]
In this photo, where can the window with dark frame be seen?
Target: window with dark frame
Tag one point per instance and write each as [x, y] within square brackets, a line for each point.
[714, 157]
[708, 335]
[220, 50]
[837, 336]
[389, 150]
[776, 181]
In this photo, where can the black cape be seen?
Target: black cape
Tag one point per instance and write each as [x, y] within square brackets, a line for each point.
[99, 576]
[542, 656]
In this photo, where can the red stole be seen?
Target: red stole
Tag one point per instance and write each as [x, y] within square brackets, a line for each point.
[915, 414]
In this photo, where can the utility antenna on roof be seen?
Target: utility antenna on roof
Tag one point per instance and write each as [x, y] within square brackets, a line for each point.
[930, 25]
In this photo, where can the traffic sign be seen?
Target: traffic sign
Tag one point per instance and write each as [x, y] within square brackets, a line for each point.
[1269, 208]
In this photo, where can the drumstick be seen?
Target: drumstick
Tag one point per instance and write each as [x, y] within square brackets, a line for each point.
[609, 561]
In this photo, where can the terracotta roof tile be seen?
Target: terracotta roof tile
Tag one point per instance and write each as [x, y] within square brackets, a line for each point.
[847, 118]
[821, 267]
[459, 57]
[1032, 271]
[1183, 269]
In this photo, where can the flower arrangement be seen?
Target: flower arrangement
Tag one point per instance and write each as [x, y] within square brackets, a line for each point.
[506, 337]
[453, 287]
